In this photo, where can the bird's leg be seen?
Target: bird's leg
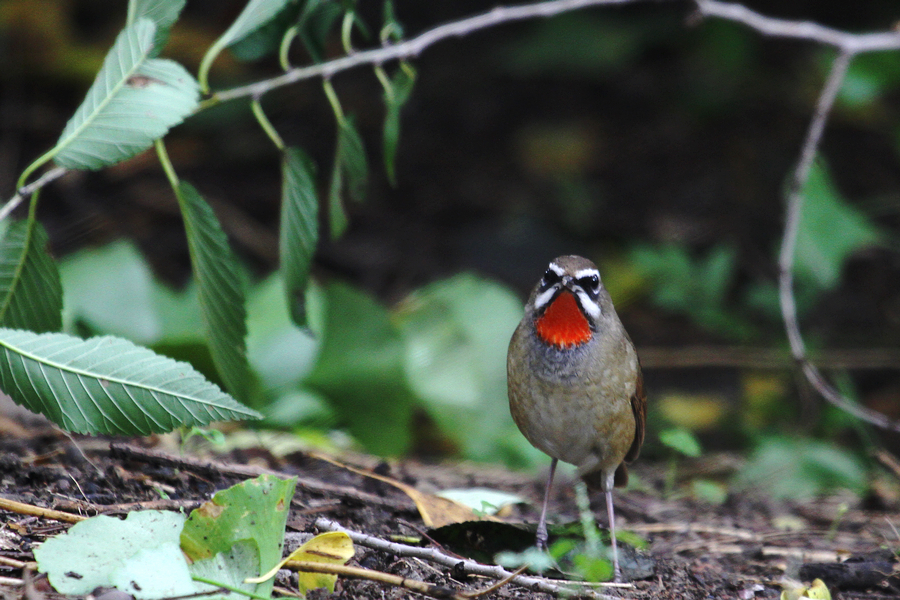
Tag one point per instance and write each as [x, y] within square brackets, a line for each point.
[542, 537]
[612, 534]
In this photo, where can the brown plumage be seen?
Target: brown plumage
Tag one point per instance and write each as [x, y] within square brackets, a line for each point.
[575, 384]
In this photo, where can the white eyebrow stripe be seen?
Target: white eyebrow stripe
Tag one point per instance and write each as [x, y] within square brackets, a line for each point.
[586, 273]
[544, 297]
[556, 269]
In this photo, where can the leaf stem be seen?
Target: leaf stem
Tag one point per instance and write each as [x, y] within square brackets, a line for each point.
[347, 31]
[266, 125]
[285, 47]
[226, 586]
[166, 163]
[334, 101]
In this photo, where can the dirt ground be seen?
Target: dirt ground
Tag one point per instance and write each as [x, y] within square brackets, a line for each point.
[743, 548]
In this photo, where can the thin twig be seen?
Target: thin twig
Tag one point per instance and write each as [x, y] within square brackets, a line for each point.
[794, 212]
[852, 43]
[469, 566]
[415, 585]
[25, 191]
[413, 47]
[37, 511]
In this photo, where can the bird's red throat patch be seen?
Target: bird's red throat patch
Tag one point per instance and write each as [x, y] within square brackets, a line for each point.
[563, 323]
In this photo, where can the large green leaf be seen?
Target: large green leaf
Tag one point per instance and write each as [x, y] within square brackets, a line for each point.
[163, 13]
[128, 554]
[831, 230]
[30, 290]
[456, 333]
[299, 228]
[134, 101]
[360, 371]
[220, 288]
[107, 385]
[256, 14]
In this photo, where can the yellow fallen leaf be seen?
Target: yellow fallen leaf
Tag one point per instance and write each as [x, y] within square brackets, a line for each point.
[334, 547]
[818, 591]
[434, 510]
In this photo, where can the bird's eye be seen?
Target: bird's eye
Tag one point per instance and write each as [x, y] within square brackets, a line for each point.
[590, 283]
[551, 277]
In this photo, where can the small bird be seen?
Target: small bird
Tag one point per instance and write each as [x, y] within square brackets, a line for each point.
[575, 384]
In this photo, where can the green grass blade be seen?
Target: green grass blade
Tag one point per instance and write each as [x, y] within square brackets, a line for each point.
[30, 289]
[219, 285]
[134, 100]
[107, 385]
[299, 228]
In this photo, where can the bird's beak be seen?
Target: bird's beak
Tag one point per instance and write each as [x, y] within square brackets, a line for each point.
[568, 281]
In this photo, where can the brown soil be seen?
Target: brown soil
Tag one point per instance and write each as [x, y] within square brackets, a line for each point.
[742, 548]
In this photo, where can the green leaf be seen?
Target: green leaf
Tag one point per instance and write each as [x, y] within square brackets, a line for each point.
[394, 98]
[682, 441]
[456, 333]
[256, 14]
[248, 518]
[127, 554]
[830, 231]
[315, 24]
[801, 469]
[125, 309]
[107, 385]
[219, 283]
[267, 38]
[279, 352]
[352, 157]
[349, 176]
[163, 13]
[360, 370]
[134, 101]
[30, 289]
[299, 231]
[337, 214]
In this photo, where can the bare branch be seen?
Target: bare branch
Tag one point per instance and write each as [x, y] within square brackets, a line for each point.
[852, 43]
[468, 566]
[16, 200]
[415, 46]
[789, 242]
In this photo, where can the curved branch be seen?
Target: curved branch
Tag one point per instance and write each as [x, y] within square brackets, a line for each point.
[794, 211]
[852, 43]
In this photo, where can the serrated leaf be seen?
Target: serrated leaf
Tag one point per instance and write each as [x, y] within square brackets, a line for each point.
[30, 289]
[134, 101]
[299, 228]
[219, 285]
[337, 214]
[163, 13]
[394, 99]
[314, 25]
[107, 385]
[352, 157]
[256, 14]
[831, 230]
[349, 175]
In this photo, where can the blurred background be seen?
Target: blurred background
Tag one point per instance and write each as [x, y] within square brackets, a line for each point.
[653, 142]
